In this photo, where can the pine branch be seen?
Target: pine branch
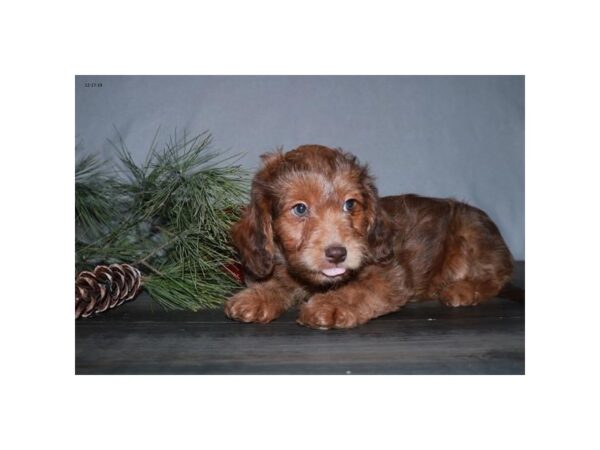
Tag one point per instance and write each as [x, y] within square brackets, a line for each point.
[171, 215]
[94, 209]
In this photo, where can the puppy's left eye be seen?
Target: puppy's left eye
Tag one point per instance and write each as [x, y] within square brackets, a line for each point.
[349, 205]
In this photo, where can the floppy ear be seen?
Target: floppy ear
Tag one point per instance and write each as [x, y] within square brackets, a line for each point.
[253, 235]
[380, 238]
[379, 228]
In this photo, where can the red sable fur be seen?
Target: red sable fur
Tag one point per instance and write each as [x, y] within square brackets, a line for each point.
[397, 248]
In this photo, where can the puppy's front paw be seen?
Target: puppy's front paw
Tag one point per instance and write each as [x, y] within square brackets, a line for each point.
[249, 306]
[324, 313]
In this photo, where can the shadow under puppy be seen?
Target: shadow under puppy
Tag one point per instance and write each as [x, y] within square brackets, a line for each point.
[317, 234]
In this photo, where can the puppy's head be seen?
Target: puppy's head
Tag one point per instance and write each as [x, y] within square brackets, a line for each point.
[316, 209]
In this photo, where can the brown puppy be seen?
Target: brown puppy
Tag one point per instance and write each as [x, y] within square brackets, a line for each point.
[317, 233]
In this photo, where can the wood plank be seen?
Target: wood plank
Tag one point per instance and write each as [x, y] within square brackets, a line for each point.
[423, 338]
[461, 346]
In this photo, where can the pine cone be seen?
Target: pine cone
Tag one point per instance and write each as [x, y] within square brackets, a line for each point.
[105, 287]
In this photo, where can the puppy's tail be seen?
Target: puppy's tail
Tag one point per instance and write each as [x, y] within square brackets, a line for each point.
[512, 292]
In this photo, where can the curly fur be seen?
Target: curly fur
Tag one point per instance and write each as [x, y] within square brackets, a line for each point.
[346, 263]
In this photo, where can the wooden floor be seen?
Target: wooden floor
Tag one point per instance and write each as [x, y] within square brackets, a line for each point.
[423, 338]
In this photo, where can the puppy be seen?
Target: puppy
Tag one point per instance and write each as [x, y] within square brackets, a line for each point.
[317, 234]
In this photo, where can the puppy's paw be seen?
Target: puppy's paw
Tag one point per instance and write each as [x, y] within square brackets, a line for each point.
[324, 313]
[458, 294]
[249, 306]
[455, 302]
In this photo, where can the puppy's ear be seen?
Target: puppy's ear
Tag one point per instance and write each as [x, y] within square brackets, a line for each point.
[380, 238]
[253, 234]
[379, 228]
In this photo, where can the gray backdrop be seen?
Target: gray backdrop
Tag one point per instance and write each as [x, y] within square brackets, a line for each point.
[446, 136]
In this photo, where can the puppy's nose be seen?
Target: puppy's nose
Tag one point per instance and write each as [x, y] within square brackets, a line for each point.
[335, 254]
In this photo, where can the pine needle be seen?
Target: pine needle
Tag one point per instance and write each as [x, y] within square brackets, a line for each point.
[170, 216]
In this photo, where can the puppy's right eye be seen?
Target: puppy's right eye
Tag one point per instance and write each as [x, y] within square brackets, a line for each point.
[300, 210]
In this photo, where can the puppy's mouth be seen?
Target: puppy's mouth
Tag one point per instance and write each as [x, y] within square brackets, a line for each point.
[334, 271]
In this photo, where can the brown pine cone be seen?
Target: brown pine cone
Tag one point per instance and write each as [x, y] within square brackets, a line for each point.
[105, 287]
